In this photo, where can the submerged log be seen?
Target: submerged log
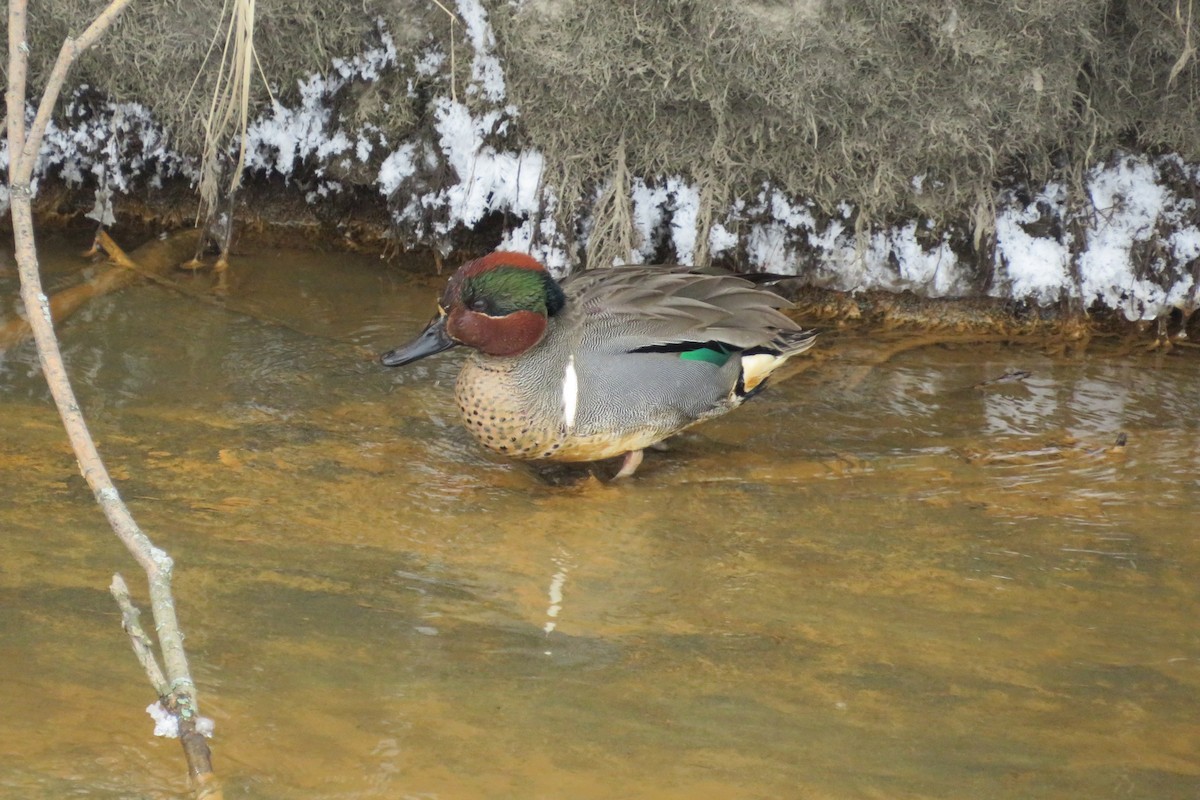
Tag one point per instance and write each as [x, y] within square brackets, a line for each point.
[155, 258]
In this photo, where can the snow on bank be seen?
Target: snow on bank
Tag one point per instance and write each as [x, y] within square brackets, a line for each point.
[1137, 249]
[288, 140]
[116, 147]
[1130, 242]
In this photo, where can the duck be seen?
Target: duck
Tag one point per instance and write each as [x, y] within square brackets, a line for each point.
[605, 363]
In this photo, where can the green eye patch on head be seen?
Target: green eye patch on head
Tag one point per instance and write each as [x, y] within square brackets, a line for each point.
[503, 290]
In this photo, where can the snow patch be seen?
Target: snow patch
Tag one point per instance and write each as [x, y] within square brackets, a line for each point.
[649, 217]
[685, 208]
[396, 168]
[1027, 265]
[487, 76]
[287, 138]
[489, 180]
[1127, 205]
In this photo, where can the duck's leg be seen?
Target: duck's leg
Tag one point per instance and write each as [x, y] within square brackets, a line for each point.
[629, 466]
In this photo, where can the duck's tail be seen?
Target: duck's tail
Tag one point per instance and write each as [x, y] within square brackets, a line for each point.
[759, 362]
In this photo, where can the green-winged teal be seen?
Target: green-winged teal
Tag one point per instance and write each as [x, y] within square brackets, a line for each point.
[607, 363]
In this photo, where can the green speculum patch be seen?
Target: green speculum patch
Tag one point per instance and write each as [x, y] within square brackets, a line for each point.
[713, 352]
[714, 355]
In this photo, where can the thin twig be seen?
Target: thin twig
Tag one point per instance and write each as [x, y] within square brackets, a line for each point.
[143, 648]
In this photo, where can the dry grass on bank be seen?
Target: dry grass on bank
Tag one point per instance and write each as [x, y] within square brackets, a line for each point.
[835, 100]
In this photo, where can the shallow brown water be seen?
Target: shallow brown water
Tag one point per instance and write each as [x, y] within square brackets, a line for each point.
[871, 582]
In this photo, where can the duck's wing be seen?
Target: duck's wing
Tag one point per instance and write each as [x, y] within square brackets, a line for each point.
[641, 307]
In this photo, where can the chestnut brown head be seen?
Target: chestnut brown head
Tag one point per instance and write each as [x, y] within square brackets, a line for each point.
[499, 304]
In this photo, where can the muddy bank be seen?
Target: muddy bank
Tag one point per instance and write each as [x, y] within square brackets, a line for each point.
[1042, 155]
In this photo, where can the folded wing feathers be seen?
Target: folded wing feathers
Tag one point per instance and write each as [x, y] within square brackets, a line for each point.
[674, 307]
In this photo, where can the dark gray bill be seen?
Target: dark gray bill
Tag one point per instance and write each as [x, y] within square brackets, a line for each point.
[433, 339]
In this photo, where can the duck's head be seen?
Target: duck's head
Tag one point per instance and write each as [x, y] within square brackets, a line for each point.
[499, 304]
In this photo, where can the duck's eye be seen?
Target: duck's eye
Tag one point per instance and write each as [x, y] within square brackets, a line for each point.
[479, 305]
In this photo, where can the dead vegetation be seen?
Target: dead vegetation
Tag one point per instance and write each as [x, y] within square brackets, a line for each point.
[902, 108]
[156, 52]
[849, 101]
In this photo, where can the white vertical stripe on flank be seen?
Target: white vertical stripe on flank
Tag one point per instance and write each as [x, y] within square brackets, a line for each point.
[570, 393]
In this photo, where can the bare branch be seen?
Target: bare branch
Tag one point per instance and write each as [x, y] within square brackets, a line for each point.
[180, 691]
[143, 648]
[14, 95]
